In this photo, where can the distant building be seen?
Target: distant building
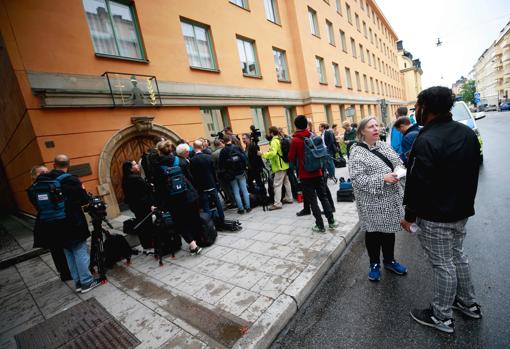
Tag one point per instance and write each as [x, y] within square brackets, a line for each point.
[458, 85]
[410, 73]
[492, 70]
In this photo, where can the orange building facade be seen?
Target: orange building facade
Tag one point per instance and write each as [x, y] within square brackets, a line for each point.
[98, 79]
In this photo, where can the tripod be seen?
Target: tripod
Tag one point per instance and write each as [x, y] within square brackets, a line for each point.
[97, 257]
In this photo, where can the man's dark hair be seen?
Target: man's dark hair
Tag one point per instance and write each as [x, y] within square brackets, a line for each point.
[274, 131]
[403, 120]
[301, 122]
[436, 100]
[402, 111]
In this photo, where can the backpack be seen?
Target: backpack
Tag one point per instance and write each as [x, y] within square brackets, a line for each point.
[208, 233]
[315, 153]
[345, 192]
[236, 161]
[166, 240]
[175, 179]
[49, 199]
[116, 248]
[285, 147]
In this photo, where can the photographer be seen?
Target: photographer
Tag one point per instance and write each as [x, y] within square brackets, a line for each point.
[279, 167]
[59, 197]
[202, 170]
[224, 184]
[138, 196]
[255, 164]
[182, 206]
[232, 162]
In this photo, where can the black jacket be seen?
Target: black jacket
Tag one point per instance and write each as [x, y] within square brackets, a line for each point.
[442, 175]
[74, 227]
[255, 163]
[138, 194]
[203, 173]
[223, 162]
[330, 142]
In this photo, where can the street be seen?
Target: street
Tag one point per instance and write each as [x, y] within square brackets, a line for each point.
[348, 311]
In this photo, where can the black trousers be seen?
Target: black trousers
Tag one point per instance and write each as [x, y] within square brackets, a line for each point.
[375, 241]
[306, 204]
[186, 217]
[254, 176]
[314, 189]
[60, 260]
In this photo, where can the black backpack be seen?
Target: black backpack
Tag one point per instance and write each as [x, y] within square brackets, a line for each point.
[208, 233]
[167, 240]
[175, 180]
[116, 248]
[236, 161]
[285, 147]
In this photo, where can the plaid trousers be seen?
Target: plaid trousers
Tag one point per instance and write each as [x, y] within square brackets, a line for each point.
[452, 276]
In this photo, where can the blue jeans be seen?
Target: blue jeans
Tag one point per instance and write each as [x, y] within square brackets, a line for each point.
[78, 260]
[239, 188]
[212, 195]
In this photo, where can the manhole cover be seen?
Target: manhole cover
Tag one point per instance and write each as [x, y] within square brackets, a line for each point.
[85, 325]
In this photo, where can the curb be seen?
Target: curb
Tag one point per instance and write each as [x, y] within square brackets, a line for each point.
[267, 327]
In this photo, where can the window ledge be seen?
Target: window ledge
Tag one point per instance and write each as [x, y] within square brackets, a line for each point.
[236, 5]
[210, 70]
[339, 86]
[317, 36]
[350, 88]
[323, 83]
[252, 76]
[275, 23]
[121, 58]
[285, 81]
[332, 44]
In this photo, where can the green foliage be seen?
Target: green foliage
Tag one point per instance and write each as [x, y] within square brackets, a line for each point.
[468, 92]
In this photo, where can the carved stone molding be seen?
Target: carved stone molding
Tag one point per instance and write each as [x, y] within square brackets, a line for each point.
[142, 123]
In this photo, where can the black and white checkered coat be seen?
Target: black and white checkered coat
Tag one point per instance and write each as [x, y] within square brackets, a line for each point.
[379, 204]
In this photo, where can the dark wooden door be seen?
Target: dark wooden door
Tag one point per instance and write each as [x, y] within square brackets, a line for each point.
[131, 150]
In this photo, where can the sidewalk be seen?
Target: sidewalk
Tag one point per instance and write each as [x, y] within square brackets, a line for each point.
[239, 293]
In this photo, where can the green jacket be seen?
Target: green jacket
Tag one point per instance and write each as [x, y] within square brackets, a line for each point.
[275, 156]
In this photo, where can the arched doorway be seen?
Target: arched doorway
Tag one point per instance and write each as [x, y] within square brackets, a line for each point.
[130, 150]
[128, 143]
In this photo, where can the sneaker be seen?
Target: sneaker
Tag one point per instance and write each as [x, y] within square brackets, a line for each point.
[396, 267]
[196, 251]
[426, 317]
[274, 207]
[78, 288]
[374, 272]
[240, 211]
[318, 229]
[248, 210]
[288, 201]
[303, 213]
[93, 284]
[333, 225]
[474, 311]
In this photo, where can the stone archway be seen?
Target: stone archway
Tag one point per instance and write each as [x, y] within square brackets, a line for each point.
[123, 136]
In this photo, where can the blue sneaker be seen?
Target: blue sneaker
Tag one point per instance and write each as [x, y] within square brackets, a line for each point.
[374, 273]
[396, 267]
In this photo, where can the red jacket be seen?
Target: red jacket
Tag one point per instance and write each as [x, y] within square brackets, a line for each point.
[297, 152]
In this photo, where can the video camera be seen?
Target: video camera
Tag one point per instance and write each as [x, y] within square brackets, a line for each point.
[218, 135]
[96, 209]
[255, 134]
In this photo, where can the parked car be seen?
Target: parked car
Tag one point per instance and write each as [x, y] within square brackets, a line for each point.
[504, 107]
[461, 113]
[491, 107]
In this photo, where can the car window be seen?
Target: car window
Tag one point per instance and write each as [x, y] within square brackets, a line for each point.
[460, 112]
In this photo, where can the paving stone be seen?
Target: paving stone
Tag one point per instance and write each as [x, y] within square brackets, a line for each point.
[188, 261]
[17, 309]
[54, 297]
[264, 236]
[208, 266]
[242, 243]
[302, 255]
[11, 282]
[258, 307]
[216, 251]
[282, 239]
[194, 283]
[246, 278]
[35, 272]
[234, 256]
[270, 249]
[213, 291]
[254, 260]
[156, 332]
[183, 340]
[237, 300]
[282, 267]
[271, 286]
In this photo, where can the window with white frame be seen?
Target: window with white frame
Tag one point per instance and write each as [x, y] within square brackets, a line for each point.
[365, 82]
[260, 118]
[369, 59]
[321, 71]
[331, 35]
[357, 22]
[336, 74]
[215, 120]
[358, 81]
[372, 85]
[353, 48]
[343, 41]
[240, 3]
[197, 39]
[348, 11]
[271, 7]
[114, 29]
[248, 57]
[280, 62]
[361, 53]
[339, 6]
[365, 33]
[312, 18]
[348, 80]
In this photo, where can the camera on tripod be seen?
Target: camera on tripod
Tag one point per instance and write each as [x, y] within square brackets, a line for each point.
[218, 135]
[96, 208]
[255, 134]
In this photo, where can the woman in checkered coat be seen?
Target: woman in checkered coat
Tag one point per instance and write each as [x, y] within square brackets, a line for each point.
[379, 195]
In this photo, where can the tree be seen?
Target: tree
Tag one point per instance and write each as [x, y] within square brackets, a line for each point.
[468, 92]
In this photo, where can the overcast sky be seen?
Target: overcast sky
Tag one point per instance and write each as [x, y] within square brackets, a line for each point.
[466, 28]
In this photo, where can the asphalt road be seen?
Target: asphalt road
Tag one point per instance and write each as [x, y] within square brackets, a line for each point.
[348, 311]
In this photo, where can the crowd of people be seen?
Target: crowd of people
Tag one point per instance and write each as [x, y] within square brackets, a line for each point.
[434, 196]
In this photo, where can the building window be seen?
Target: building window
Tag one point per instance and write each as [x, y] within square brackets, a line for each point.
[290, 115]
[319, 64]
[331, 35]
[362, 5]
[339, 6]
[240, 3]
[376, 41]
[272, 14]
[377, 86]
[358, 81]
[373, 60]
[371, 35]
[368, 57]
[357, 22]
[312, 18]
[361, 53]
[197, 38]
[342, 40]
[329, 116]
[348, 10]
[280, 62]
[353, 48]
[369, 110]
[215, 120]
[365, 29]
[348, 80]
[368, 11]
[365, 82]
[261, 121]
[336, 74]
[372, 85]
[379, 64]
[248, 57]
[114, 29]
